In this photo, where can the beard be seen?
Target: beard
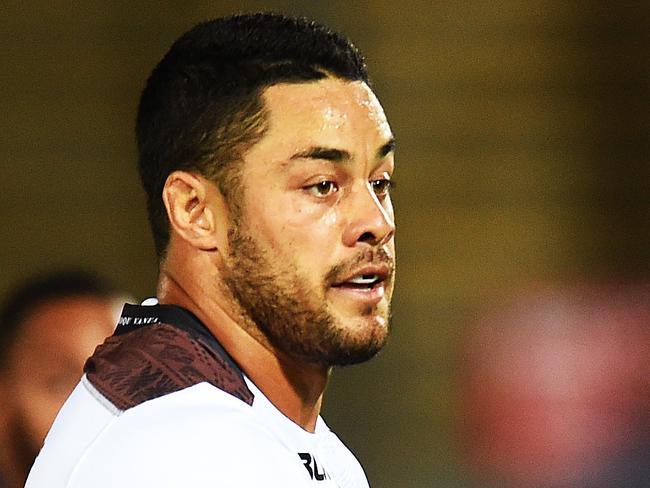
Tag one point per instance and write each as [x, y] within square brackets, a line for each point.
[294, 316]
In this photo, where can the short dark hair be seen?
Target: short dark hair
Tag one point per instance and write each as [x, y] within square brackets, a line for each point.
[52, 286]
[202, 108]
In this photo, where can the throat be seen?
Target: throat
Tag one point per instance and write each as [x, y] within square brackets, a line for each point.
[294, 387]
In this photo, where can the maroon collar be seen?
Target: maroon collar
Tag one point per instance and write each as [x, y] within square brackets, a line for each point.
[157, 350]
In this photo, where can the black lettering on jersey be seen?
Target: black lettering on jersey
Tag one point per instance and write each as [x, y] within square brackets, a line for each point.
[311, 465]
[317, 475]
[306, 460]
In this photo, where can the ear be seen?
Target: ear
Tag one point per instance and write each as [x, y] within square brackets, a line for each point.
[192, 208]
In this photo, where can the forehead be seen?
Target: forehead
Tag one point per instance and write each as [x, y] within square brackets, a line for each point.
[330, 112]
[68, 322]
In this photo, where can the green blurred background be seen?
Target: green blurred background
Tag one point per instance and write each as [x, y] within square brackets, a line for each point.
[523, 151]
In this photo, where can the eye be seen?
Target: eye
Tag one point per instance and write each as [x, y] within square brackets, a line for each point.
[382, 186]
[323, 188]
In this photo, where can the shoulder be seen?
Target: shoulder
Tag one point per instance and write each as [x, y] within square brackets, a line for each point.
[156, 360]
[197, 437]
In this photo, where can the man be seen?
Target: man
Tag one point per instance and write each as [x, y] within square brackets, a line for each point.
[267, 163]
[48, 327]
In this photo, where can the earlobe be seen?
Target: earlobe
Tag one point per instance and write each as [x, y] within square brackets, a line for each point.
[191, 217]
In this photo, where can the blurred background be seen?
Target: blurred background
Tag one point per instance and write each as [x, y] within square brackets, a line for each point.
[522, 203]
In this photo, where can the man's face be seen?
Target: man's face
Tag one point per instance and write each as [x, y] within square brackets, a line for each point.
[47, 359]
[312, 253]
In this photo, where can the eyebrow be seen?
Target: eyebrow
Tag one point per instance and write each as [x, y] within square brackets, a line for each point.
[339, 155]
[387, 148]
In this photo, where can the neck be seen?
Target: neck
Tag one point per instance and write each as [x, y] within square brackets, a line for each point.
[294, 386]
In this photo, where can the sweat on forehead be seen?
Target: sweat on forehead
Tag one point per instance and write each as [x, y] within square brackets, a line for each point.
[329, 119]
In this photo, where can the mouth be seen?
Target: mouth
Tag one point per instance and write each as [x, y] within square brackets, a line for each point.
[367, 284]
[363, 281]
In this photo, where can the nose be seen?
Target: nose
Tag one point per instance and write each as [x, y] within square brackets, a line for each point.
[369, 219]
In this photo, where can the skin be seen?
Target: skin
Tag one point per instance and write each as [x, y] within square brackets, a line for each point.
[315, 211]
[44, 365]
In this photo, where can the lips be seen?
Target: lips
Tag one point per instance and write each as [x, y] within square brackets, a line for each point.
[365, 278]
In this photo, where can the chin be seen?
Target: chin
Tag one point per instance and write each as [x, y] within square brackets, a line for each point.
[358, 340]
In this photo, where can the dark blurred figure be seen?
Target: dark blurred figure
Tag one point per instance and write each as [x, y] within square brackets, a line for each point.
[48, 327]
[556, 390]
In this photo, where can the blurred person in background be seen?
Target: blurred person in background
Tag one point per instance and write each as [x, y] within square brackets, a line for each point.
[556, 390]
[49, 326]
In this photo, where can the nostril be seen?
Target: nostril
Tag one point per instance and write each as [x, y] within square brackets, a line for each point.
[367, 237]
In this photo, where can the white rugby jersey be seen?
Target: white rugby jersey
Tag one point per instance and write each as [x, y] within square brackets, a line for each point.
[161, 404]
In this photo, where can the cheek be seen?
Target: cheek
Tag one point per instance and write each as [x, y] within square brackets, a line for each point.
[294, 226]
[40, 385]
[38, 403]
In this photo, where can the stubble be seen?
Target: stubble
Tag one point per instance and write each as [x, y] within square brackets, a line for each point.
[279, 302]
